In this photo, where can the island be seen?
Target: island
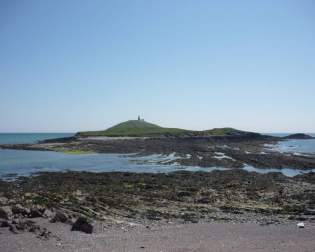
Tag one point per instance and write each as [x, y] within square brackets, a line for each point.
[218, 147]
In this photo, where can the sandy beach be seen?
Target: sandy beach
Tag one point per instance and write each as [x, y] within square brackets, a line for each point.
[201, 237]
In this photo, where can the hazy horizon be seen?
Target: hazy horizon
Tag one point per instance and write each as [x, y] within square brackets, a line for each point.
[69, 66]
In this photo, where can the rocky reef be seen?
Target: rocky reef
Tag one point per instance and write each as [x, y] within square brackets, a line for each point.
[80, 198]
[233, 151]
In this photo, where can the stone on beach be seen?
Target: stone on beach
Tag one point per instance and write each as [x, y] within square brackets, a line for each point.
[5, 212]
[59, 217]
[82, 224]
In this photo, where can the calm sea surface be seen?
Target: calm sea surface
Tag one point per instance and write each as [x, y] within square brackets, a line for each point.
[20, 162]
[295, 146]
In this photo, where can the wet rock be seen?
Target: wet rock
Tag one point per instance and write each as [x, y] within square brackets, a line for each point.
[309, 211]
[26, 225]
[19, 209]
[82, 224]
[36, 212]
[203, 200]
[44, 234]
[183, 194]
[4, 223]
[3, 201]
[152, 214]
[301, 218]
[190, 217]
[5, 212]
[13, 229]
[48, 213]
[59, 217]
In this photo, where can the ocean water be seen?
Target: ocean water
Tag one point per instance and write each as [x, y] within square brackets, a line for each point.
[23, 163]
[16, 138]
[297, 146]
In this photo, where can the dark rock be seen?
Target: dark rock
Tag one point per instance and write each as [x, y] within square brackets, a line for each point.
[5, 212]
[301, 218]
[82, 224]
[36, 212]
[190, 217]
[26, 225]
[48, 213]
[44, 234]
[203, 200]
[309, 211]
[4, 223]
[13, 229]
[183, 194]
[3, 200]
[19, 209]
[152, 214]
[59, 217]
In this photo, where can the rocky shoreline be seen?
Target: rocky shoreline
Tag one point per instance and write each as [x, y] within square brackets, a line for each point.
[81, 199]
[226, 152]
[93, 203]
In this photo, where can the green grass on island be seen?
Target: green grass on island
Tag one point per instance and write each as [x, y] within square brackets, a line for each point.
[70, 151]
[141, 128]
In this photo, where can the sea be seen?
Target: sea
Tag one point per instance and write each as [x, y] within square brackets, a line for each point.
[14, 163]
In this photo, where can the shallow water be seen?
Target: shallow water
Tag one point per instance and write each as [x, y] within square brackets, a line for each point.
[24, 163]
[285, 171]
[306, 146]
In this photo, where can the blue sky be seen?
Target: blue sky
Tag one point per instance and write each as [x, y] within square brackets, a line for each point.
[84, 65]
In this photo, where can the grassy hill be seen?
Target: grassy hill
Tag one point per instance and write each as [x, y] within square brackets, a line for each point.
[134, 128]
[140, 128]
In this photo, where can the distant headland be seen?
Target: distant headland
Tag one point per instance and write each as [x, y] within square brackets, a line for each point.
[141, 128]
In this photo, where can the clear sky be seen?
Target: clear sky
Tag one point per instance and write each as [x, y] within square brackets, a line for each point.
[83, 65]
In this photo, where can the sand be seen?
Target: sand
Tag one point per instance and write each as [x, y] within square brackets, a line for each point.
[199, 237]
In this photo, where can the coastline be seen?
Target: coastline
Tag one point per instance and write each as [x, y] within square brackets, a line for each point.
[204, 208]
[130, 210]
[224, 152]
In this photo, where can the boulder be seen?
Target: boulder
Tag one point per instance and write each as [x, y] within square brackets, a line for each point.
[13, 229]
[48, 213]
[3, 201]
[82, 224]
[36, 212]
[4, 223]
[19, 209]
[5, 212]
[59, 217]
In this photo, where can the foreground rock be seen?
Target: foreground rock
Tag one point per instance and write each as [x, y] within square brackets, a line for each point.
[5, 212]
[233, 195]
[17, 226]
[60, 217]
[82, 224]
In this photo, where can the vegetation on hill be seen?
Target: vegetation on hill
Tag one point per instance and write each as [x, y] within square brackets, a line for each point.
[135, 128]
[141, 128]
